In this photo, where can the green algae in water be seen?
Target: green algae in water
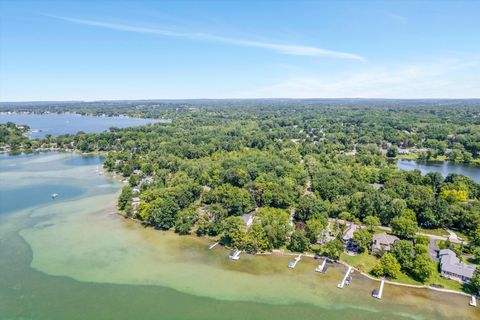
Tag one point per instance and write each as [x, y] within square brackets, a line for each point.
[74, 259]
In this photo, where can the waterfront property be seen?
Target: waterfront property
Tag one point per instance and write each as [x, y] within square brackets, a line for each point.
[452, 268]
[140, 266]
[382, 242]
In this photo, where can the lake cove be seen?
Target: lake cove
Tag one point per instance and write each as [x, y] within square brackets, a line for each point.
[57, 124]
[444, 168]
[73, 258]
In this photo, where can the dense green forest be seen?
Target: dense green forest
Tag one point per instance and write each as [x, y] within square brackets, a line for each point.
[295, 164]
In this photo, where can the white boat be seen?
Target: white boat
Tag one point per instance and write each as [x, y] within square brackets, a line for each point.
[54, 195]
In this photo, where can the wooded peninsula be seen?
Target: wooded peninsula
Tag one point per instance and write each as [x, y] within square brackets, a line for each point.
[301, 175]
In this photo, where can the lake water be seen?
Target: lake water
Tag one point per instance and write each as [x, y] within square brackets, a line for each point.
[444, 168]
[57, 124]
[72, 258]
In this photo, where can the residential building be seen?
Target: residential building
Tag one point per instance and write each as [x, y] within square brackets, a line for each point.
[452, 268]
[382, 242]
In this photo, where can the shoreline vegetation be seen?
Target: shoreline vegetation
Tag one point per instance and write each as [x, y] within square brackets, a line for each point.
[271, 175]
[311, 255]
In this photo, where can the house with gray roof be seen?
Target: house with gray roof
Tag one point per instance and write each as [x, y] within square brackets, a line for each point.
[452, 268]
[382, 242]
[349, 231]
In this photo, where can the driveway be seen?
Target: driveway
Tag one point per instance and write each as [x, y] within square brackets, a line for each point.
[433, 249]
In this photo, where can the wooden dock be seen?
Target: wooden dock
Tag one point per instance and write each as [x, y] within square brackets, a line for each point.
[292, 264]
[473, 301]
[210, 247]
[235, 255]
[344, 281]
[378, 293]
[321, 267]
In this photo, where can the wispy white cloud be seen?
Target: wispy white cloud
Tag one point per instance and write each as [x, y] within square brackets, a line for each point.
[443, 79]
[290, 49]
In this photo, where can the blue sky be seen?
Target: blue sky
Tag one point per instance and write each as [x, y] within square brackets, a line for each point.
[91, 50]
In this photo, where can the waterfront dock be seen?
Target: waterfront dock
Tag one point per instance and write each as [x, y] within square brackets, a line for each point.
[235, 255]
[378, 293]
[321, 267]
[292, 264]
[345, 279]
[213, 245]
[473, 301]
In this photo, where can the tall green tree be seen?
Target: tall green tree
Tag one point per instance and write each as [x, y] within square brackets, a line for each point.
[299, 241]
[387, 266]
[363, 238]
[333, 249]
[422, 267]
[276, 223]
[310, 207]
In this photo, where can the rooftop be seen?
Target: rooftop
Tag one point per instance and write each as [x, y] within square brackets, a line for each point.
[384, 238]
[349, 231]
[449, 262]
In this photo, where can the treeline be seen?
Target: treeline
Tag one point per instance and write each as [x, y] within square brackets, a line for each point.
[218, 161]
[427, 128]
[13, 136]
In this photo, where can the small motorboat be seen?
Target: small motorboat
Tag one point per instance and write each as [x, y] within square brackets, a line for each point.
[54, 195]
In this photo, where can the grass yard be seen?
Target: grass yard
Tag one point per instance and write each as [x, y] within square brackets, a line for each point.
[365, 262]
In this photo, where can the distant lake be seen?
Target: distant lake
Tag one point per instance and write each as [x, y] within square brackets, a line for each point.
[444, 168]
[58, 124]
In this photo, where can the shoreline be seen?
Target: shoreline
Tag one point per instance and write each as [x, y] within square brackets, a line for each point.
[314, 256]
[281, 252]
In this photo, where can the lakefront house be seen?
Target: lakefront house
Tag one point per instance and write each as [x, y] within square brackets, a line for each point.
[452, 268]
[382, 242]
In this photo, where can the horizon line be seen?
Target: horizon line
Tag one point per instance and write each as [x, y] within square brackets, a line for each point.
[225, 99]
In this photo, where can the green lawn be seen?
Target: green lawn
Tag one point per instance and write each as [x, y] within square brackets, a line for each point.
[365, 262]
[461, 235]
[436, 279]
